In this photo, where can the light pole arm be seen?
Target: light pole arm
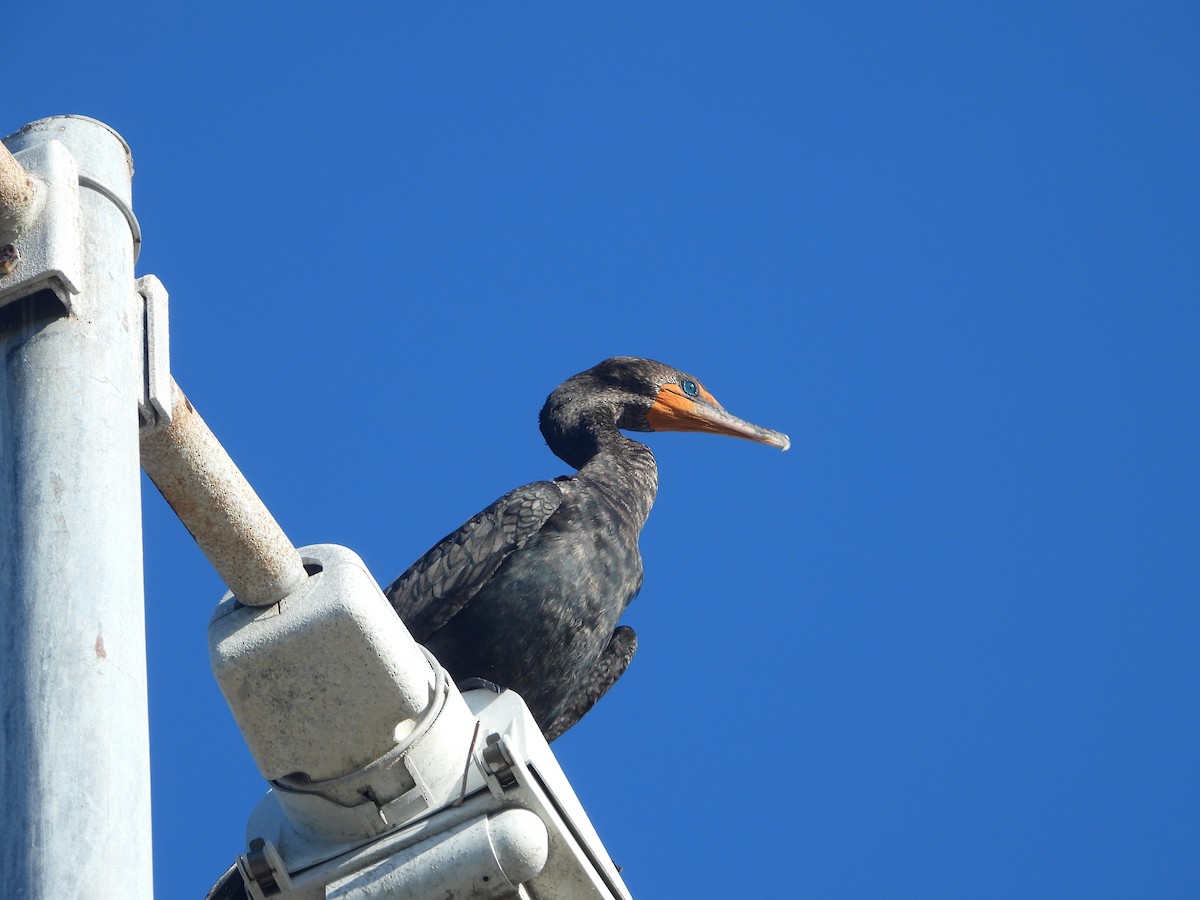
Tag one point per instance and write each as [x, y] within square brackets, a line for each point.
[214, 501]
[16, 187]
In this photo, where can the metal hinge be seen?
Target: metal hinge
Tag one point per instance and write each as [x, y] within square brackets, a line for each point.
[263, 870]
[498, 763]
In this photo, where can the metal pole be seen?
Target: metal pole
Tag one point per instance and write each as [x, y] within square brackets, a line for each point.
[74, 759]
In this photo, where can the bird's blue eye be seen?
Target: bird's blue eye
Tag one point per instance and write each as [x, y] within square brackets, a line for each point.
[690, 388]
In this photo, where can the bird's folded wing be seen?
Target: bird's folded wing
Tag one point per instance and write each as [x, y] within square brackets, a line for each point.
[608, 668]
[445, 579]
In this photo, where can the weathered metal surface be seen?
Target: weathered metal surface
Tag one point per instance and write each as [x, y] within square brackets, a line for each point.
[214, 501]
[154, 404]
[504, 765]
[74, 742]
[487, 858]
[332, 659]
[46, 238]
[17, 190]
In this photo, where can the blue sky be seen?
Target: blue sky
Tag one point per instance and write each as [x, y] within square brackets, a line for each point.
[947, 645]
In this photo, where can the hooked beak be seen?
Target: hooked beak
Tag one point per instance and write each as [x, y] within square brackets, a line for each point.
[673, 410]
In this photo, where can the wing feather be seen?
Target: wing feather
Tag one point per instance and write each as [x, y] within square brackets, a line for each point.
[443, 581]
[604, 674]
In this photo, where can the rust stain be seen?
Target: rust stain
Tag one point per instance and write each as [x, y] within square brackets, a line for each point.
[10, 255]
[100, 654]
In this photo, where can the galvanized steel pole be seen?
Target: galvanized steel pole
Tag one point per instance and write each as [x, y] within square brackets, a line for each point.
[74, 757]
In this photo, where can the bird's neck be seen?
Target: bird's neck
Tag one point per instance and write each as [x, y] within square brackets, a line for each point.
[623, 468]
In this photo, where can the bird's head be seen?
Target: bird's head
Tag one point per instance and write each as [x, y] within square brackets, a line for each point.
[643, 395]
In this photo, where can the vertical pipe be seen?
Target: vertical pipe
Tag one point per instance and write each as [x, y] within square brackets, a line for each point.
[74, 755]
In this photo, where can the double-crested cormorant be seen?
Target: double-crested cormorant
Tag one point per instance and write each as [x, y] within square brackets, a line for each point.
[527, 593]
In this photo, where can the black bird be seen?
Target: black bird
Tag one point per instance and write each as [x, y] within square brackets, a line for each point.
[527, 593]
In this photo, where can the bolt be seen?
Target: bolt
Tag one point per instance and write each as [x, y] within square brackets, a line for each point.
[9, 257]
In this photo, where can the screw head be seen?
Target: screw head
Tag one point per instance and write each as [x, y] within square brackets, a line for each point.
[9, 257]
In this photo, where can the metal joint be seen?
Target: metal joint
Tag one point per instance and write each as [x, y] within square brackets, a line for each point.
[43, 245]
[264, 870]
[499, 762]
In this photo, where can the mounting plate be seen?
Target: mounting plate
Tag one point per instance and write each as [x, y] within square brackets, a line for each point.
[47, 238]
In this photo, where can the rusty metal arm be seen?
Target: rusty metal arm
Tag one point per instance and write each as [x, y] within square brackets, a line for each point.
[214, 501]
[17, 189]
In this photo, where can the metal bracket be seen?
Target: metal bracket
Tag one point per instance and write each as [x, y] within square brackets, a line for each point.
[263, 870]
[154, 404]
[44, 247]
[498, 762]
